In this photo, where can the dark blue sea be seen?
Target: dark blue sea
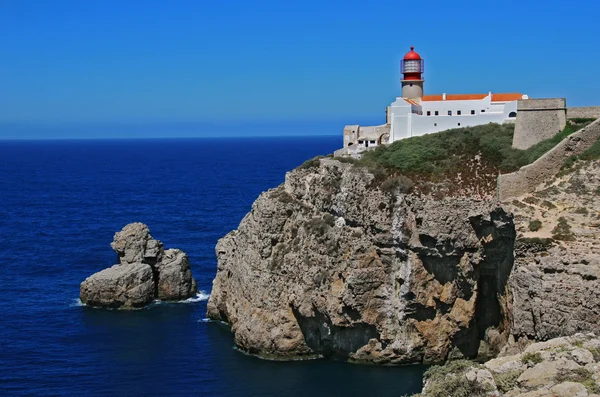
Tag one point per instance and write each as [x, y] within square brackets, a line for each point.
[61, 203]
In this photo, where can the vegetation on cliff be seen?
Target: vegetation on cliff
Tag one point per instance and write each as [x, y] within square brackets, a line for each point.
[446, 151]
[466, 157]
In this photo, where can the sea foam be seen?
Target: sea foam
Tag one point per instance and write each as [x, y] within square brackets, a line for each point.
[201, 296]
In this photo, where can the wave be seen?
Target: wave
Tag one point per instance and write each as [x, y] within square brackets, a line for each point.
[76, 303]
[201, 296]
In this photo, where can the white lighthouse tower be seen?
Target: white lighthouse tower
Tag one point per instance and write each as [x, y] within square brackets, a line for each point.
[412, 66]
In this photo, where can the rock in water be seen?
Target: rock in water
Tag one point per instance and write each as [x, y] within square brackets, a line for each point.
[175, 281]
[145, 272]
[119, 286]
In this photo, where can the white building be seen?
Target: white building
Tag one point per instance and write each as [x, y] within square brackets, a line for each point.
[415, 114]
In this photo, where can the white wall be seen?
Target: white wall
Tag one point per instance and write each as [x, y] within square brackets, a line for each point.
[406, 122]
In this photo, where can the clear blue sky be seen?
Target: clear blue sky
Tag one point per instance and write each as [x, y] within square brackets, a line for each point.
[70, 63]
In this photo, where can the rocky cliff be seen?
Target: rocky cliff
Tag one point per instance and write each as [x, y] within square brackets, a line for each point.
[333, 263]
[555, 281]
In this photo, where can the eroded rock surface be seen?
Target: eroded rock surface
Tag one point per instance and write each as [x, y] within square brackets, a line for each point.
[145, 272]
[329, 264]
[556, 276]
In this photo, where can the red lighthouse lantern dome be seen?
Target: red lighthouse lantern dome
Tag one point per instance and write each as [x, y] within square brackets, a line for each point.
[412, 55]
[412, 65]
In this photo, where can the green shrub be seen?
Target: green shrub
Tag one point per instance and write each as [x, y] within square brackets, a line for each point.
[535, 244]
[312, 163]
[397, 183]
[518, 204]
[449, 380]
[282, 196]
[579, 375]
[445, 152]
[581, 121]
[595, 352]
[349, 160]
[320, 226]
[535, 225]
[591, 153]
[562, 231]
[581, 210]
[531, 200]
[534, 358]
[548, 204]
[506, 381]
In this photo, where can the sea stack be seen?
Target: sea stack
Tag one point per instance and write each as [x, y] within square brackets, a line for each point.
[145, 272]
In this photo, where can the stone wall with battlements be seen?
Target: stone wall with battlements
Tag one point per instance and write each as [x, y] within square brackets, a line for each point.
[526, 179]
[537, 120]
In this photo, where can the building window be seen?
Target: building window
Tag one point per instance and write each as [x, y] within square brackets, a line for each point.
[372, 142]
[482, 110]
[512, 114]
[437, 113]
[459, 112]
[429, 112]
[449, 112]
[459, 124]
[435, 124]
[472, 112]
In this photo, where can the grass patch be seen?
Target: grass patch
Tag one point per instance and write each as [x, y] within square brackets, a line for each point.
[535, 225]
[562, 231]
[595, 352]
[534, 358]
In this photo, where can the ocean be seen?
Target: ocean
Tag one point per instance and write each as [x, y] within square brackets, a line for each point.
[61, 203]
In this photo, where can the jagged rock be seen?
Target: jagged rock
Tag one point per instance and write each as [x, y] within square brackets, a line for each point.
[570, 389]
[546, 369]
[175, 281]
[134, 244]
[145, 272]
[119, 287]
[330, 265]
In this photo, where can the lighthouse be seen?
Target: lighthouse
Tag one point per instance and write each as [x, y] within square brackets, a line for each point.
[412, 66]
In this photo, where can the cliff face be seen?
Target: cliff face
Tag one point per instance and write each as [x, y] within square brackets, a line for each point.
[329, 264]
[555, 283]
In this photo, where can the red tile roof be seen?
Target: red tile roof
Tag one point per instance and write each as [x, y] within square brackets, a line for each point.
[506, 97]
[466, 97]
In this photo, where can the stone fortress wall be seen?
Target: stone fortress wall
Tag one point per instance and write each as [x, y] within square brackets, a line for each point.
[526, 179]
[587, 112]
[537, 120]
